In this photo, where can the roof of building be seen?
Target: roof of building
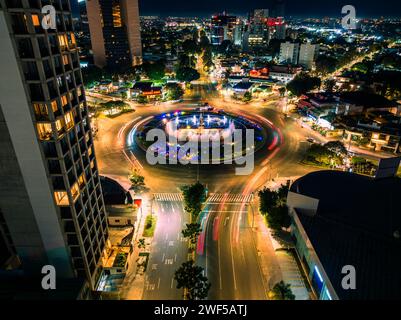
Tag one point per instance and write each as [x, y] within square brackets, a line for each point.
[243, 86]
[113, 192]
[356, 223]
[143, 86]
[367, 100]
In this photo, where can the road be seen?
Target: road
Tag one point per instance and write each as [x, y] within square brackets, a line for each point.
[228, 255]
[227, 249]
[168, 252]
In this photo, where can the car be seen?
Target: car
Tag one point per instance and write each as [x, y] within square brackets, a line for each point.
[311, 140]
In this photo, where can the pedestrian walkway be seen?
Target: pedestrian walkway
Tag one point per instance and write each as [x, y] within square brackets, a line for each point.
[168, 197]
[292, 275]
[229, 198]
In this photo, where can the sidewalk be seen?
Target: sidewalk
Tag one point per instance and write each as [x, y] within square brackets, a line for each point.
[268, 262]
[134, 282]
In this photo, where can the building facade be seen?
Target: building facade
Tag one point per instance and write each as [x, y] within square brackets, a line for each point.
[115, 32]
[51, 200]
[308, 54]
[289, 53]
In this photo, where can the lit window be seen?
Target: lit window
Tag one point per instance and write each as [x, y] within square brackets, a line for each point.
[54, 105]
[44, 131]
[61, 198]
[81, 180]
[69, 121]
[59, 125]
[65, 59]
[75, 191]
[35, 20]
[64, 100]
[117, 16]
[40, 109]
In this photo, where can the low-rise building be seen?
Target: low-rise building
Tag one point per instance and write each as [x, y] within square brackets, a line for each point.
[344, 223]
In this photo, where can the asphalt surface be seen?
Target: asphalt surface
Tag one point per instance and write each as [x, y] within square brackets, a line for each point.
[227, 251]
[168, 252]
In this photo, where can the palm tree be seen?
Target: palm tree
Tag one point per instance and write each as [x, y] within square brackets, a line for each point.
[282, 291]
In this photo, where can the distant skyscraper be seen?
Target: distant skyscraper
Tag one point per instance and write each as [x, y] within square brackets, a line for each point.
[289, 53]
[51, 201]
[258, 29]
[83, 17]
[307, 54]
[222, 28]
[115, 32]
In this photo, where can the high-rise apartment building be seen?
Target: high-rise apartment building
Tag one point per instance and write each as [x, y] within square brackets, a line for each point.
[308, 54]
[115, 32]
[289, 53]
[51, 203]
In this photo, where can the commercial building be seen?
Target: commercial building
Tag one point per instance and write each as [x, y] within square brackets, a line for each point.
[289, 53]
[343, 221]
[115, 32]
[51, 202]
[222, 28]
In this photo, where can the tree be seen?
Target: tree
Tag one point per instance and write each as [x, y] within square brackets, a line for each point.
[282, 291]
[321, 155]
[247, 97]
[329, 85]
[326, 64]
[174, 91]
[194, 196]
[137, 182]
[142, 99]
[192, 232]
[187, 74]
[303, 83]
[189, 47]
[141, 243]
[92, 74]
[192, 279]
[114, 105]
[273, 205]
[155, 70]
[337, 147]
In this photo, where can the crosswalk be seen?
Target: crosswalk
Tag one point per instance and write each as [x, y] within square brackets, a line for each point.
[213, 197]
[168, 197]
[229, 198]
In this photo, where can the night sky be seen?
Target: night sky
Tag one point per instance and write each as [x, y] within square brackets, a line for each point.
[302, 8]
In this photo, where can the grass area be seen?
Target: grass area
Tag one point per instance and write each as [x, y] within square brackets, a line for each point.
[150, 226]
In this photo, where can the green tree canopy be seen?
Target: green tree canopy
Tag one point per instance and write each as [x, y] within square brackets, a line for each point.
[303, 83]
[192, 232]
[282, 291]
[191, 278]
[194, 197]
[174, 91]
[187, 74]
[155, 70]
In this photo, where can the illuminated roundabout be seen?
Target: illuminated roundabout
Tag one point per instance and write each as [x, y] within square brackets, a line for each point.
[209, 130]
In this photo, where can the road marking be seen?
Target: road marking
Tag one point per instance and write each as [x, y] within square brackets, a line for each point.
[164, 255]
[169, 261]
[172, 283]
[175, 258]
[158, 284]
[171, 243]
[232, 257]
[225, 220]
